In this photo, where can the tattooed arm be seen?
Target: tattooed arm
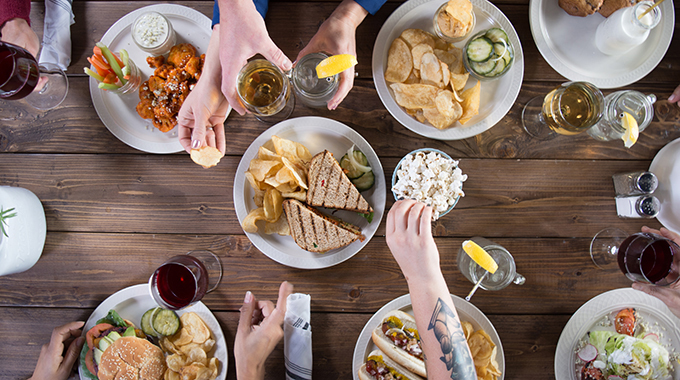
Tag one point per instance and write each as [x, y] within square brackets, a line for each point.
[409, 236]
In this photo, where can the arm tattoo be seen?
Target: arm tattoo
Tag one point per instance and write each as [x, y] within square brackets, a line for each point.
[456, 355]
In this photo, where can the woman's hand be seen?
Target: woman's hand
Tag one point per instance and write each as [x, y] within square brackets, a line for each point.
[337, 35]
[259, 331]
[53, 363]
[17, 31]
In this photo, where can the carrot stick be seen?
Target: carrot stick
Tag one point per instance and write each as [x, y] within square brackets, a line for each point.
[100, 69]
[110, 78]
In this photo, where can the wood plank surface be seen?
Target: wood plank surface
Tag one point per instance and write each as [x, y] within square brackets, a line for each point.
[528, 341]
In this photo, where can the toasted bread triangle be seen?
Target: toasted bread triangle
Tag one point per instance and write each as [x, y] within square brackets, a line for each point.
[330, 187]
[316, 232]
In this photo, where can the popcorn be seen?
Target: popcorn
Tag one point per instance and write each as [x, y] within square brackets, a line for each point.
[430, 178]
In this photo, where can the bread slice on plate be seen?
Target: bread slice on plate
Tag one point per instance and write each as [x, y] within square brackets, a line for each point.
[316, 232]
[330, 187]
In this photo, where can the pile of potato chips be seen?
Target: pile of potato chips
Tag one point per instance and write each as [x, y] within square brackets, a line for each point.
[483, 352]
[456, 19]
[426, 75]
[278, 172]
[188, 351]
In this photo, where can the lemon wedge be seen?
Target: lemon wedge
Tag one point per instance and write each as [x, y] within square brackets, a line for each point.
[480, 256]
[632, 131]
[335, 64]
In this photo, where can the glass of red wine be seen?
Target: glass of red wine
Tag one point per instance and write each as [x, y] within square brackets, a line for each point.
[183, 280]
[642, 256]
[42, 86]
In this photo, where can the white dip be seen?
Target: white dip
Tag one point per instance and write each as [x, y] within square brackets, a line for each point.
[151, 30]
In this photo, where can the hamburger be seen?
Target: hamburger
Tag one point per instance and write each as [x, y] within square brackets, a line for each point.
[115, 349]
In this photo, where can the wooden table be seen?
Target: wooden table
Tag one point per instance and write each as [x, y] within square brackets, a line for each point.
[115, 213]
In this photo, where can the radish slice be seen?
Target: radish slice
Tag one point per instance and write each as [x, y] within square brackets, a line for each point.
[588, 353]
[653, 337]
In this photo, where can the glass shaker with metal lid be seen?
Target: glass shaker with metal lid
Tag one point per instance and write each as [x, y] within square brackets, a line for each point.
[635, 183]
[646, 206]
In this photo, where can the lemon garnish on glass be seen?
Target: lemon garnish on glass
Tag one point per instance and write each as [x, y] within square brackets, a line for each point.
[632, 131]
[480, 256]
[335, 64]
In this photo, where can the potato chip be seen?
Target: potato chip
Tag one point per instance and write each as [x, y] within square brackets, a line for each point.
[418, 51]
[195, 327]
[470, 102]
[291, 150]
[175, 362]
[168, 346]
[438, 120]
[445, 56]
[458, 81]
[399, 62]
[207, 156]
[460, 10]
[414, 77]
[419, 116]
[493, 364]
[195, 371]
[446, 24]
[267, 155]
[467, 328]
[446, 74]
[181, 338]
[261, 169]
[447, 105]
[258, 198]
[195, 354]
[457, 66]
[279, 227]
[171, 375]
[414, 37]
[431, 70]
[414, 96]
[255, 184]
[213, 365]
[273, 205]
[298, 172]
[481, 346]
[208, 345]
[249, 222]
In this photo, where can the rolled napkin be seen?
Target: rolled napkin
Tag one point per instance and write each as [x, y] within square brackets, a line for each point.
[56, 45]
[297, 341]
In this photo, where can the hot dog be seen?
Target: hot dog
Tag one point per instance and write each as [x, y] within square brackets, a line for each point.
[379, 366]
[397, 336]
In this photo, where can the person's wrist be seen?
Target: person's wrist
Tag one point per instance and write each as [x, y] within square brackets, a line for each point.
[247, 370]
[350, 12]
[423, 277]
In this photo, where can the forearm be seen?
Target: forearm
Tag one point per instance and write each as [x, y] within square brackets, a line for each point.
[440, 330]
[212, 71]
[350, 12]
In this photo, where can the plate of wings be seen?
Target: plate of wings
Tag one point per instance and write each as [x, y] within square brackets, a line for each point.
[147, 119]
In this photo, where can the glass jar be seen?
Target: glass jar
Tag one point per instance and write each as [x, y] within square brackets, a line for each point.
[311, 90]
[637, 104]
[133, 83]
[440, 17]
[625, 29]
[153, 33]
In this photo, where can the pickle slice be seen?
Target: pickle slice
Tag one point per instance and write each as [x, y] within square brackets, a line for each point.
[146, 322]
[166, 322]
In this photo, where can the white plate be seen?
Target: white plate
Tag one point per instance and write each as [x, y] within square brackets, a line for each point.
[665, 166]
[589, 315]
[466, 312]
[317, 134]
[119, 113]
[497, 96]
[132, 302]
[568, 44]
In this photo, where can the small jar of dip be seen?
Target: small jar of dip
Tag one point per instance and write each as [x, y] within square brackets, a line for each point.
[153, 33]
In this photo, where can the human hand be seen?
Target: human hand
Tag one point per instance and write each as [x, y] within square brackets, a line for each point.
[337, 35]
[409, 236]
[675, 96]
[53, 363]
[259, 331]
[243, 34]
[17, 31]
[670, 295]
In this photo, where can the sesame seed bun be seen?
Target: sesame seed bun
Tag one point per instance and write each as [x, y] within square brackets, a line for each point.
[129, 357]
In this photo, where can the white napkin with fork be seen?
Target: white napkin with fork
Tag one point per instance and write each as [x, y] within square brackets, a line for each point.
[56, 45]
[297, 337]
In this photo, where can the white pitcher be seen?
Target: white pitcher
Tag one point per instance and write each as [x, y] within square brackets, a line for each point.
[26, 231]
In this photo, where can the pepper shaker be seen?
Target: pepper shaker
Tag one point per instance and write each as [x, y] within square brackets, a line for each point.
[645, 206]
[635, 183]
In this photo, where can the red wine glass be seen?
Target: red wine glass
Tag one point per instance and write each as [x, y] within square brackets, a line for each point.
[42, 86]
[183, 280]
[642, 256]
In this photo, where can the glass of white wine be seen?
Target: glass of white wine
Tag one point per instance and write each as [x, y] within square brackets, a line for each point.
[569, 109]
[265, 91]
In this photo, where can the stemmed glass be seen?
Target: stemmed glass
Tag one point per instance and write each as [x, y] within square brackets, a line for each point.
[41, 86]
[183, 280]
[265, 91]
[642, 256]
[569, 109]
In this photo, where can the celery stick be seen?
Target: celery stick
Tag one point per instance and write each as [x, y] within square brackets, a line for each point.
[108, 86]
[124, 56]
[93, 74]
[112, 62]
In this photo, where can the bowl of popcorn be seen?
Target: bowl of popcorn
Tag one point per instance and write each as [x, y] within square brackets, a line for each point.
[430, 176]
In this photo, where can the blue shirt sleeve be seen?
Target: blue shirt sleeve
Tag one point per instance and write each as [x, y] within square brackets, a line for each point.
[371, 6]
[262, 7]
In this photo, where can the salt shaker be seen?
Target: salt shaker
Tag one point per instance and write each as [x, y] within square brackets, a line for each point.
[635, 183]
[645, 206]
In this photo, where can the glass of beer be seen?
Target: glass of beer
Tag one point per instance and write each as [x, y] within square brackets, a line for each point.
[569, 109]
[265, 91]
[183, 280]
[644, 257]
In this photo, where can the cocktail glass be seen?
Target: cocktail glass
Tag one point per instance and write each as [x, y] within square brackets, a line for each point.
[505, 275]
[311, 90]
[569, 109]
